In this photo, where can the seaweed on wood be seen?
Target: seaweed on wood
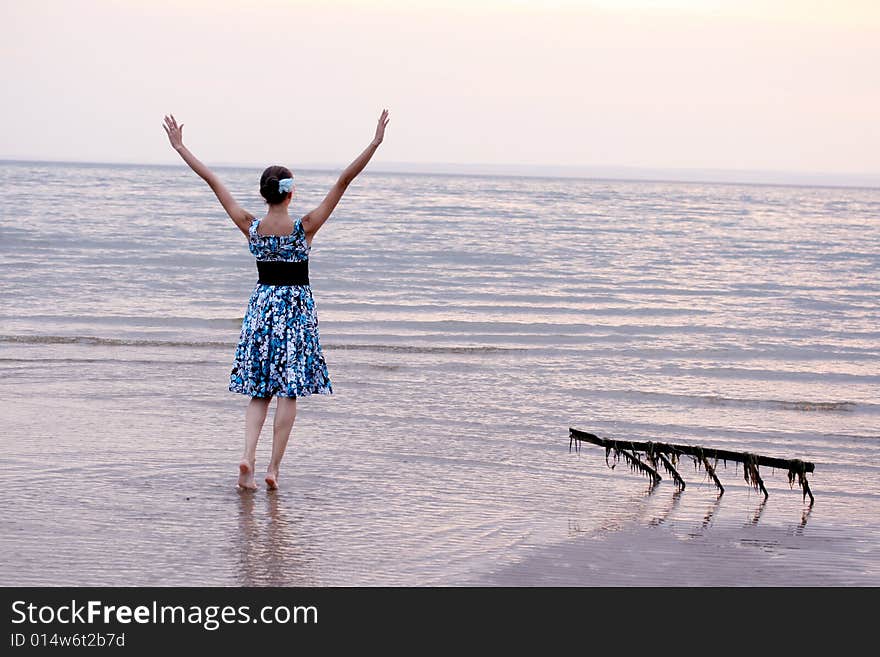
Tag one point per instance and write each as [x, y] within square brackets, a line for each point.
[670, 469]
[657, 454]
[751, 474]
[710, 470]
[798, 471]
[635, 463]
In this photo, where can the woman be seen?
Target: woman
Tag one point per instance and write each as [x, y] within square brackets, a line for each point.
[279, 351]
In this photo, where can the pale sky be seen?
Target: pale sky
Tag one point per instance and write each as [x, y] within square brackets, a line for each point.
[787, 85]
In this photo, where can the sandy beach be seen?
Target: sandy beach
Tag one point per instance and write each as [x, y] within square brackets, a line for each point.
[359, 510]
[672, 550]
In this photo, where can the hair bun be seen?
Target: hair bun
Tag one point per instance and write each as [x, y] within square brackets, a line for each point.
[270, 184]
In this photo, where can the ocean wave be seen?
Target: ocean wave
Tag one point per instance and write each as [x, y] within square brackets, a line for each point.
[796, 405]
[191, 344]
[28, 362]
[107, 342]
[775, 404]
[424, 349]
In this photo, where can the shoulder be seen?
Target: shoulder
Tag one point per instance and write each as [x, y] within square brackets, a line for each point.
[305, 221]
[301, 226]
[252, 229]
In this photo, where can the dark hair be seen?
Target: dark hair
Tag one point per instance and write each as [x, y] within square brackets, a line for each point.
[269, 184]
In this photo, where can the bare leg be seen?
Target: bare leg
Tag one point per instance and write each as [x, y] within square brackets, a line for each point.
[285, 414]
[253, 424]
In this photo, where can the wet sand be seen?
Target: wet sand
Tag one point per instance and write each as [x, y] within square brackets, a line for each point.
[161, 509]
[135, 485]
[658, 555]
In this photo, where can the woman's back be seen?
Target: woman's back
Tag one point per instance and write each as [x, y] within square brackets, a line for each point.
[275, 248]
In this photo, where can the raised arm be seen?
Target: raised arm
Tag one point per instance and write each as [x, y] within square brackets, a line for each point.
[316, 218]
[239, 215]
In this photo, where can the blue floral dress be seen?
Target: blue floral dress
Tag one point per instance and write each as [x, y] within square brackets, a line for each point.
[279, 351]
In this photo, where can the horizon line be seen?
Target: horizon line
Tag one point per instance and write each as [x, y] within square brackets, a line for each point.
[619, 173]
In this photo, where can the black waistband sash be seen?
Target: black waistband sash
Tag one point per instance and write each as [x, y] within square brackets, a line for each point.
[283, 273]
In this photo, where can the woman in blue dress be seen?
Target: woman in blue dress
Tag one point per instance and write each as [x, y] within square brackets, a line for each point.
[279, 350]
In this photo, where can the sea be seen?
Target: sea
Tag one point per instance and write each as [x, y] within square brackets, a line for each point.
[468, 323]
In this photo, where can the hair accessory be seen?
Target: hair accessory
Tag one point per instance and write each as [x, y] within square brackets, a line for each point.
[285, 185]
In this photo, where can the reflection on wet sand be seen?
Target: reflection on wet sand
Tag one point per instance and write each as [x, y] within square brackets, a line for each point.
[270, 552]
[661, 517]
[758, 511]
[710, 513]
[679, 514]
[799, 530]
[616, 522]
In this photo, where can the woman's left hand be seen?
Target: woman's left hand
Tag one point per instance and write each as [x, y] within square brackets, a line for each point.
[174, 132]
[380, 129]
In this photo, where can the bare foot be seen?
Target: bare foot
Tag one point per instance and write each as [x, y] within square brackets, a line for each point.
[272, 480]
[246, 476]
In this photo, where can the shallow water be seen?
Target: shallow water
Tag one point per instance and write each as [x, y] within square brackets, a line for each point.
[468, 322]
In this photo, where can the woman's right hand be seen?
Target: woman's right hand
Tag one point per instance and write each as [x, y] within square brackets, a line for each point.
[174, 132]
[380, 129]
